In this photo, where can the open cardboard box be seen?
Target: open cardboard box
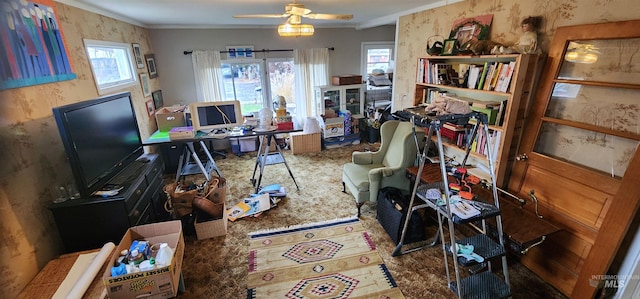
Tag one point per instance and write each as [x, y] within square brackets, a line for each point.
[157, 283]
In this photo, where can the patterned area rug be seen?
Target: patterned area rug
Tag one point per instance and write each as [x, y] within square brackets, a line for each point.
[333, 259]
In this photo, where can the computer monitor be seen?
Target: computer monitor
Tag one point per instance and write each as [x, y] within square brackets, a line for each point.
[209, 116]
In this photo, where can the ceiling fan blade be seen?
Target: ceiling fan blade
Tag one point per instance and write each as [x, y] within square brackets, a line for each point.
[299, 11]
[261, 16]
[322, 16]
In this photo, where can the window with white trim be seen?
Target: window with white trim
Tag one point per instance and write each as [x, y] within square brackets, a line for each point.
[112, 65]
[376, 56]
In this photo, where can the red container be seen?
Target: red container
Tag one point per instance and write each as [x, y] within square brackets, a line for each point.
[285, 126]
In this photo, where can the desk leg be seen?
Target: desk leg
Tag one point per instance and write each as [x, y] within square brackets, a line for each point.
[286, 164]
[181, 163]
[186, 167]
[255, 167]
[210, 162]
[197, 159]
[262, 158]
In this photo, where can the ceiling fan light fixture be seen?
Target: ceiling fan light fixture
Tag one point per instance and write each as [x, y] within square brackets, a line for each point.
[287, 29]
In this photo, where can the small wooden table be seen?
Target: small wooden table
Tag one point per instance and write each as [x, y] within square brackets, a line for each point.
[521, 227]
[47, 281]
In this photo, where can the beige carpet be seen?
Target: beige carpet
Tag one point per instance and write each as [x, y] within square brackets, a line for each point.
[329, 259]
[218, 267]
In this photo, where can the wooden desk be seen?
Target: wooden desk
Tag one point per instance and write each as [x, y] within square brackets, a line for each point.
[46, 283]
[521, 227]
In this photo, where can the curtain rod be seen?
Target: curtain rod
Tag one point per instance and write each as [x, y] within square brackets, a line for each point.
[259, 51]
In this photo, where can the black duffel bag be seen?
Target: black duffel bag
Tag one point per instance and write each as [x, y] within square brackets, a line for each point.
[391, 213]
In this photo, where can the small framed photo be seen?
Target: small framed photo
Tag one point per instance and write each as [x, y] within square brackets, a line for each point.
[157, 99]
[150, 109]
[137, 53]
[151, 65]
[450, 47]
[144, 82]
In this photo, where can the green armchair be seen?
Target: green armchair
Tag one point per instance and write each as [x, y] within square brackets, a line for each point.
[370, 171]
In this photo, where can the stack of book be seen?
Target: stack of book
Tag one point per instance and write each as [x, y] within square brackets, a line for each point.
[455, 133]
[492, 76]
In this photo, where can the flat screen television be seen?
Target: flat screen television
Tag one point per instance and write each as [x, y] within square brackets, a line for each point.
[100, 137]
[209, 116]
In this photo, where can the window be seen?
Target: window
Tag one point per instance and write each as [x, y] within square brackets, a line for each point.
[112, 65]
[376, 56]
[256, 83]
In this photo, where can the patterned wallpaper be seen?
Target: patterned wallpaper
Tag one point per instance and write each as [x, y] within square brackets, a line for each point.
[34, 161]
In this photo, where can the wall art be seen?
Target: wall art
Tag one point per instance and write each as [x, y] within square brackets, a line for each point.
[468, 31]
[151, 65]
[240, 52]
[144, 81]
[34, 46]
[137, 53]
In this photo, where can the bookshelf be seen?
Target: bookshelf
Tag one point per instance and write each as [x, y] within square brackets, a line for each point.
[498, 85]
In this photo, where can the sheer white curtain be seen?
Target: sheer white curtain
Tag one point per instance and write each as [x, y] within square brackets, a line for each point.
[207, 70]
[312, 69]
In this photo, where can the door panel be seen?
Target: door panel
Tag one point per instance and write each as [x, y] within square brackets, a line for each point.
[579, 151]
[580, 202]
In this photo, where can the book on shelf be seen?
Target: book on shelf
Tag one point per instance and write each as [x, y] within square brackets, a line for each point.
[474, 74]
[505, 78]
[483, 75]
[486, 104]
[488, 77]
[501, 77]
[420, 73]
[508, 75]
[495, 76]
[454, 127]
[501, 113]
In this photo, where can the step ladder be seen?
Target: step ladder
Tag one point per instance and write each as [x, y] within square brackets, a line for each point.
[481, 282]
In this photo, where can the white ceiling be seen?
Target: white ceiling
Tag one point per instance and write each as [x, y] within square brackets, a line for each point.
[218, 13]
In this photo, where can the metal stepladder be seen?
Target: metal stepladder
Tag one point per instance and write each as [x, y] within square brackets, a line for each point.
[482, 282]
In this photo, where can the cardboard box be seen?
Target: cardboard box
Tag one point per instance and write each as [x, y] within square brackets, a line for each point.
[346, 79]
[209, 228]
[170, 117]
[157, 283]
[181, 133]
[305, 142]
[333, 127]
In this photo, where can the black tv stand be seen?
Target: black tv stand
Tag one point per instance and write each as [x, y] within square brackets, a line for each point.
[89, 223]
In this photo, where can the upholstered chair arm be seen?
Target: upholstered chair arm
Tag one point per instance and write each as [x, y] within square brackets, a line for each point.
[367, 157]
[361, 158]
[382, 172]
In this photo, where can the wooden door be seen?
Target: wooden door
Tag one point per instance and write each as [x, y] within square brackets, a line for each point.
[578, 154]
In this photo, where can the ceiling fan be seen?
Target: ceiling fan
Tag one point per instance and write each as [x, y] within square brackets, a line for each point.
[295, 11]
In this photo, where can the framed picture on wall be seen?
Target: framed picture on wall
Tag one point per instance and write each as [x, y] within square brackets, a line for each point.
[137, 53]
[150, 109]
[157, 99]
[151, 65]
[144, 82]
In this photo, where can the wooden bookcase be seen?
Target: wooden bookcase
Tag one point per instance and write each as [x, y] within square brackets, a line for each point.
[434, 75]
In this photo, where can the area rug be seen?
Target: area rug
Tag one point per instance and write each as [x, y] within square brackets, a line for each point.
[331, 259]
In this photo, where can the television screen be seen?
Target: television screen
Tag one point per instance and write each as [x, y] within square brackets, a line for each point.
[215, 115]
[100, 137]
